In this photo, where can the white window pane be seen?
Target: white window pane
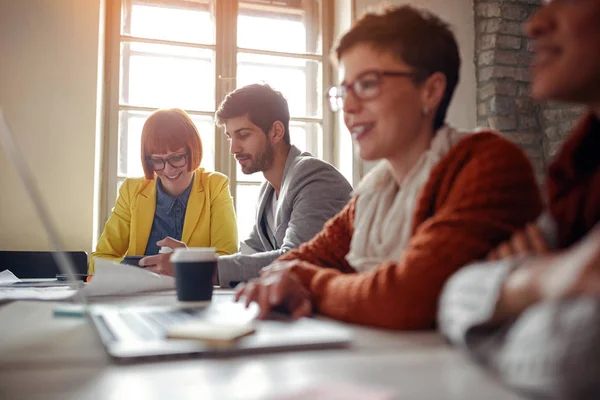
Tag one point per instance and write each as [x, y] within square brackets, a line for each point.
[189, 21]
[167, 76]
[256, 32]
[246, 200]
[130, 134]
[119, 183]
[299, 80]
[345, 150]
[291, 30]
[307, 137]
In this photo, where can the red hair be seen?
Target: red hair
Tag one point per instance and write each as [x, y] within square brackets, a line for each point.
[170, 130]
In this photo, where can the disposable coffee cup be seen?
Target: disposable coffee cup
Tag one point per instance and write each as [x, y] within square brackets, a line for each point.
[194, 270]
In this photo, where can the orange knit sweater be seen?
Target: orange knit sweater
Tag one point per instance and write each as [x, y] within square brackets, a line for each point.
[477, 195]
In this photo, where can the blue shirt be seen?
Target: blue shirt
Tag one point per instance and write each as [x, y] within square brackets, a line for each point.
[168, 217]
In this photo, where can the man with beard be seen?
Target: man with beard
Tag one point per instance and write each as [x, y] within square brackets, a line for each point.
[300, 194]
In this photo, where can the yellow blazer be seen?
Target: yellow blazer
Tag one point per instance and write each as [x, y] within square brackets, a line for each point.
[209, 218]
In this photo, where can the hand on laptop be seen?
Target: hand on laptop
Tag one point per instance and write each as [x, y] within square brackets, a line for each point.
[277, 266]
[161, 263]
[527, 241]
[277, 288]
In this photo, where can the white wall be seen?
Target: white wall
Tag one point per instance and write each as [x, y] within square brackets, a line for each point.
[48, 88]
[459, 14]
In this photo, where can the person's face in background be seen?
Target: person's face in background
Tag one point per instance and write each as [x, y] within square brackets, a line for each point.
[566, 63]
[385, 126]
[172, 170]
[251, 147]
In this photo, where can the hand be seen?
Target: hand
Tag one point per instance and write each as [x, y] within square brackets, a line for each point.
[570, 273]
[278, 266]
[575, 272]
[277, 288]
[528, 241]
[161, 263]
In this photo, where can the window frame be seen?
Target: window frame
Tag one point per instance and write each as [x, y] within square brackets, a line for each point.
[225, 52]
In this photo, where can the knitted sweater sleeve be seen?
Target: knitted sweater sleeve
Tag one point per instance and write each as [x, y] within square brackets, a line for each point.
[483, 193]
[329, 247]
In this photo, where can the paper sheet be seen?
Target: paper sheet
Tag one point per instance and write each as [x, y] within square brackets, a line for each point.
[29, 293]
[8, 292]
[112, 278]
[7, 277]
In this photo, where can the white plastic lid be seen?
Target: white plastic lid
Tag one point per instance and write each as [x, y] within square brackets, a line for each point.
[165, 249]
[193, 254]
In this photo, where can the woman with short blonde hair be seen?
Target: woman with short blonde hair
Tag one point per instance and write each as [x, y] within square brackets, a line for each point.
[438, 199]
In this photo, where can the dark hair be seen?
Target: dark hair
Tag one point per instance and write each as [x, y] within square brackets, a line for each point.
[417, 37]
[261, 103]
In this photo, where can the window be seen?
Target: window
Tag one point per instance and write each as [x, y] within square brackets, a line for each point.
[191, 53]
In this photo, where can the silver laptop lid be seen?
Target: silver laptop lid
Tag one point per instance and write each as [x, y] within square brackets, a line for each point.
[62, 259]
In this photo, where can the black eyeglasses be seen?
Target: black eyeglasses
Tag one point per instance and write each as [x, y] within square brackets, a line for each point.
[366, 86]
[175, 161]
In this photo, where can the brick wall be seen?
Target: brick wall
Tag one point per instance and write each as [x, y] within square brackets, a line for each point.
[502, 57]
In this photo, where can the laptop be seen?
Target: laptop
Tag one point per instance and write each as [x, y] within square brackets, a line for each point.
[136, 333]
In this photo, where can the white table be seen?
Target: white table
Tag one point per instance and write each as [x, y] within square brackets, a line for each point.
[42, 357]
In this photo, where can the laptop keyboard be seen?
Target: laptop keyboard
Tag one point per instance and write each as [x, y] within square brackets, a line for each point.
[154, 325]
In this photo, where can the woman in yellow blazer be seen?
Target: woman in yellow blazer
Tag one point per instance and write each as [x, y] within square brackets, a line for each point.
[176, 204]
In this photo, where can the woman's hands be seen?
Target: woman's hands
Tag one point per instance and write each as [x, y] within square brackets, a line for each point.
[277, 288]
[161, 263]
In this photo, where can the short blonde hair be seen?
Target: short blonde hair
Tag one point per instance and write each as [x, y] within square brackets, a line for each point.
[169, 130]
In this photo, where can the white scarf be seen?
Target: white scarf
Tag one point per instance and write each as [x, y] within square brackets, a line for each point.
[384, 212]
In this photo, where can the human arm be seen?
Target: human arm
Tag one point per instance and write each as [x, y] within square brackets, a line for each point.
[527, 241]
[533, 321]
[488, 200]
[493, 194]
[494, 293]
[319, 193]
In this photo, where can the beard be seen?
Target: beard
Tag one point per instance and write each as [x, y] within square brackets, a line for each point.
[261, 161]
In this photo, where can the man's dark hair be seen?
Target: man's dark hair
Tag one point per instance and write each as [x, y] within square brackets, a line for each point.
[261, 103]
[418, 38]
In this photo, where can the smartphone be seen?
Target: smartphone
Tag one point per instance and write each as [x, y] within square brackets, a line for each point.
[132, 260]
[78, 277]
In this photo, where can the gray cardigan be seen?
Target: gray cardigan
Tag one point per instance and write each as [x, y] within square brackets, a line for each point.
[552, 350]
[312, 192]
